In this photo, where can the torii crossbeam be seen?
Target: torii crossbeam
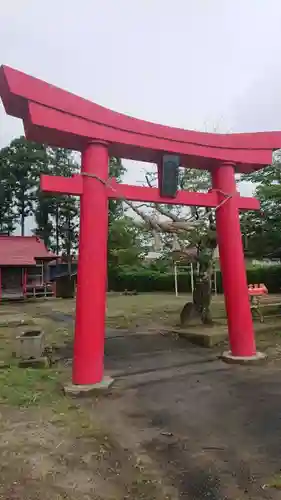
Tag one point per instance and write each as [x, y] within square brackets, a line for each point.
[59, 118]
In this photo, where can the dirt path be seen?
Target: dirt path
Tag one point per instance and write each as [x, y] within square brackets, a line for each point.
[212, 430]
[203, 428]
[177, 424]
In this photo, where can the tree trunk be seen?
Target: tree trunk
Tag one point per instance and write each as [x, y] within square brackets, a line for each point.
[202, 297]
[202, 294]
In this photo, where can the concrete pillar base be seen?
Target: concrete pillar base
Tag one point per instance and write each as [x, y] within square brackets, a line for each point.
[227, 357]
[87, 389]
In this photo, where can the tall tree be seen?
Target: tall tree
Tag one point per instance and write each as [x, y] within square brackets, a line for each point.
[125, 243]
[116, 170]
[57, 217]
[25, 159]
[262, 229]
[7, 214]
[190, 236]
[68, 226]
[53, 212]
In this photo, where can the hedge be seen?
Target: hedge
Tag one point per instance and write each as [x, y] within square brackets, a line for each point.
[147, 280]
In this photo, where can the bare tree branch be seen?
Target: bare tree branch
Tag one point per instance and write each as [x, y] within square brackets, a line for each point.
[167, 213]
[163, 211]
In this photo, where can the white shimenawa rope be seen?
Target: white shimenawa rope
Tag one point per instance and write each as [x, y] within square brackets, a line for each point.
[107, 183]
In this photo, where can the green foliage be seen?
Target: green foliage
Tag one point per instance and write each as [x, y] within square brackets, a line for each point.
[116, 170]
[7, 214]
[57, 216]
[262, 230]
[195, 180]
[21, 163]
[124, 243]
[142, 280]
[124, 237]
[270, 276]
[149, 280]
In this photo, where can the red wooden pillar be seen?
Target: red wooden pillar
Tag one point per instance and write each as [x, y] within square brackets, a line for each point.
[240, 324]
[92, 269]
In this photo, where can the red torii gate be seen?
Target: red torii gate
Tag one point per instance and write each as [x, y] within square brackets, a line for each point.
[58, 118]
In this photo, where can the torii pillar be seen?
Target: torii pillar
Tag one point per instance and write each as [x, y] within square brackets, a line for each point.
[59, 118]
[232, 262]
[92, 270]
[94, 189]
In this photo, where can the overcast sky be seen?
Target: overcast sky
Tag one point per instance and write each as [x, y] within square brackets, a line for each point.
[196, 64]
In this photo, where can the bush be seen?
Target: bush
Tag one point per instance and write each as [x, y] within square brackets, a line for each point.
[147, 280]
[270, 276]
[144, 280]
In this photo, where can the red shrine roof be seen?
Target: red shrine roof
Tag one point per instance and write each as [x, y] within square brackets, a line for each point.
[54, 116]
[22, 251]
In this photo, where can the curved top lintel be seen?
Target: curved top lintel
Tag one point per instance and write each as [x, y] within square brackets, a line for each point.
[19, 90]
